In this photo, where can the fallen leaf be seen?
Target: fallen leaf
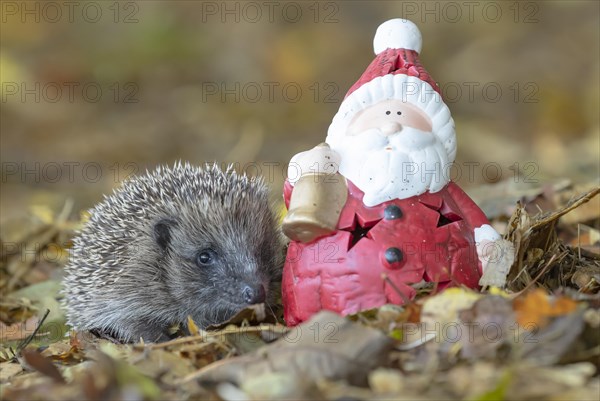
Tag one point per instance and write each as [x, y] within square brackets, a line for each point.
[128, 377]
[534, 308]
[33, 359]
[486, 327]
[64, 353]
[547, 345]
[327, 346]
[192, 327]
[162, 366]
[499, 199]
[444, 307]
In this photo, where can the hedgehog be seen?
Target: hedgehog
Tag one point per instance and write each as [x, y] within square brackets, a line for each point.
[174, 243]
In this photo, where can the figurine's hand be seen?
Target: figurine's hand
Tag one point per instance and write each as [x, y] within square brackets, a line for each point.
[319, 160]
[495, 254]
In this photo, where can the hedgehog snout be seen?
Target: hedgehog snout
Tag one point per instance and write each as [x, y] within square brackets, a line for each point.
[254, 294]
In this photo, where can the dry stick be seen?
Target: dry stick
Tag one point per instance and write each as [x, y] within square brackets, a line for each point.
[192, 376]
[204, 334]
[578, 202]
[538, 276]
[579, 240]
[387, 280]
[434, 290]
[588, 285]
[26, 342]
[550, 233]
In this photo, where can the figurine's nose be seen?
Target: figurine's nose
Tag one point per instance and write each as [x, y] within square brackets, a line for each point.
[390, 128]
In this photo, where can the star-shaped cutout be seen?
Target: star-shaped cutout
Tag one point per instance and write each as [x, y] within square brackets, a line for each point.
[359, 230]
[447, 214]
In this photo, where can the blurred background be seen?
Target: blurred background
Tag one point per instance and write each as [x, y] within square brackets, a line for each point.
[95, 91]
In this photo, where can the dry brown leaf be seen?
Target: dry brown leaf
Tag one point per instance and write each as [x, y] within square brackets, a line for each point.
[64, 353]
[535, 308]
[486, 327]
[547, 346]
[326, 347]
[36, 361]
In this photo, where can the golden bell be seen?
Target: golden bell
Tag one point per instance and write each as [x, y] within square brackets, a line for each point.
[315, 206]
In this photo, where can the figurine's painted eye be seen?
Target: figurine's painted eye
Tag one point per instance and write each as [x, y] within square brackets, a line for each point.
[388, 112]
[399, 113]
[206, 257]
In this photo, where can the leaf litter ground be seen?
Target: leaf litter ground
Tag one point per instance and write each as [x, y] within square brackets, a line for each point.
[538, 338]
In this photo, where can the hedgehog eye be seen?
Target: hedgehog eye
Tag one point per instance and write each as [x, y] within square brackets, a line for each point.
[206, 257]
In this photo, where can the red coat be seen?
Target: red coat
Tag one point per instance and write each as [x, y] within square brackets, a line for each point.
[427, 237]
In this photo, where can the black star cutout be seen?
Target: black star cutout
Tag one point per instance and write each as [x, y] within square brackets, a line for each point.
[360, 231]
[445, 218]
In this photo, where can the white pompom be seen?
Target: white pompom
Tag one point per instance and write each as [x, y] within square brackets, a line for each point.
[397, 33]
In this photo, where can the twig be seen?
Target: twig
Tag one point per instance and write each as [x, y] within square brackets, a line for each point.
[579, 240]
[575, 204]
[387, 280]
[205, 334]
[538, 276]
[26, 342]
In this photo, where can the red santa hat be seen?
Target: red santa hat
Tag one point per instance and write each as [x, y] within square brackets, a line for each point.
[396, 73]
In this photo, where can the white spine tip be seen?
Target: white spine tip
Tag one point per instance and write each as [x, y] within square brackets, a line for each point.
[397, 33]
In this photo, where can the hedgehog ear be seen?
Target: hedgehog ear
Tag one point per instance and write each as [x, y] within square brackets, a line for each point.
[162, 232]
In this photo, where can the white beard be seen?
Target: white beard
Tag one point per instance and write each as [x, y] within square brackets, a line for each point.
[415, 163]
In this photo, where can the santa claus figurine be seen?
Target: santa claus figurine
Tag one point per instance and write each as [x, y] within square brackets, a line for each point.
[373, 214]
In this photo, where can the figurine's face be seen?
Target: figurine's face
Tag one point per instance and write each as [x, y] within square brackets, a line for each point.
[389, 151]
[389, 116]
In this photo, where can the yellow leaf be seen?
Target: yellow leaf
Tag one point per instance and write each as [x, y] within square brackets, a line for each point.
[498, 291]
[282, 211]
[444, 307]
[192, 327]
